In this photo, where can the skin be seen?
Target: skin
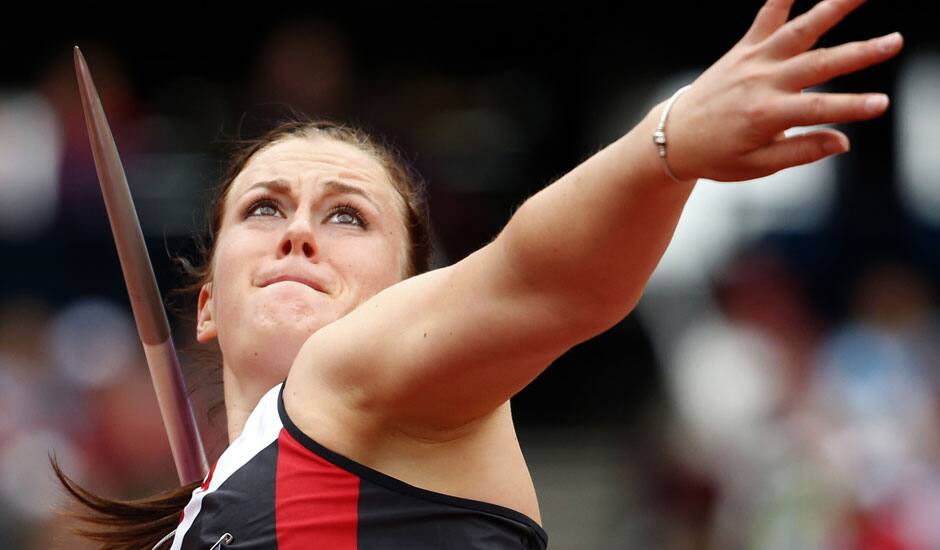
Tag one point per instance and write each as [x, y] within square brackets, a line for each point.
[260, 329]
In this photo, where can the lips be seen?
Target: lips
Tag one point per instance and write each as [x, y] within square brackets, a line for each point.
[309, 282]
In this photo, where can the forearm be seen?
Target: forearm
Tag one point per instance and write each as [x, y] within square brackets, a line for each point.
[591, 240]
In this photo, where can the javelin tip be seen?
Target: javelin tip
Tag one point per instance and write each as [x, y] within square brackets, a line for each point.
[81, 67]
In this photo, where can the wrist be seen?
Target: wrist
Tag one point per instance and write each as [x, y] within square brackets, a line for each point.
[639, 161]
[662, 138]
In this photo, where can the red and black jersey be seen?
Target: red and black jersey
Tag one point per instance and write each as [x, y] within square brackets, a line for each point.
[275, 487]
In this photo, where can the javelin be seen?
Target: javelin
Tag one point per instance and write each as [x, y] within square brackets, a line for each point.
[146, 303]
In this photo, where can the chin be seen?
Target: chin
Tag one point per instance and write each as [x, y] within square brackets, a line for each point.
[279, 346]
[292, 305]
[293, 324]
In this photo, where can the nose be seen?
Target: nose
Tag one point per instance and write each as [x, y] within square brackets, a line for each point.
[299, 238]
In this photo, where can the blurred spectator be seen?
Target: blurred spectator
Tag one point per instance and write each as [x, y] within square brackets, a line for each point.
[30, 152]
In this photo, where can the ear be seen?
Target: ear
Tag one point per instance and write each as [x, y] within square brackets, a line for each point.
[205, 323]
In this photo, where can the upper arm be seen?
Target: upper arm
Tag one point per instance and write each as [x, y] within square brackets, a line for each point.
[438, 350]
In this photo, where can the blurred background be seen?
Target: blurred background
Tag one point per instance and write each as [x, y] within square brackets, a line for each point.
[777, 386]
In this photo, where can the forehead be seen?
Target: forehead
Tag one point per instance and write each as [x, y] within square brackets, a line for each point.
[308, 160]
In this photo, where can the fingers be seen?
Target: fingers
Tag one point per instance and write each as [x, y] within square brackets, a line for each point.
[823, 64]
[821, 108]
[771, 17]
[797, 150]
[799, 35]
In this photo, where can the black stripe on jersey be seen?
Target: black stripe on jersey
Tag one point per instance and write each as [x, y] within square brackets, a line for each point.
[431, 526]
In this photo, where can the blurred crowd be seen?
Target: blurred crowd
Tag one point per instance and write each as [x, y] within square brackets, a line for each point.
[789, 409]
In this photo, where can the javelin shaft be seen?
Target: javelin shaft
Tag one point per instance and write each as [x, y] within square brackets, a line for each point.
[146, 302]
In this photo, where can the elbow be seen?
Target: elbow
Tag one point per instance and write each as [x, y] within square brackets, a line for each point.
[603, 310]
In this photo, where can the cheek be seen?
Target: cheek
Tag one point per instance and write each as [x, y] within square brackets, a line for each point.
[229, 277]
[238, 248]
[377, 267]
[403, 257]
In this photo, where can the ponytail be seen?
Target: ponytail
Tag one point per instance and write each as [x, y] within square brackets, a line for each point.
[124, 525]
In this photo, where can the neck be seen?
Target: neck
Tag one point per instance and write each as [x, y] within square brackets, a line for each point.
[251, 369]
[242, 395]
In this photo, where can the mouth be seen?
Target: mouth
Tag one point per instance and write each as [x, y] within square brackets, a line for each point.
[290, 279]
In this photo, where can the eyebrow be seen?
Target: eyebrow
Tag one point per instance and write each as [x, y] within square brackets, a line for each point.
[332, 187]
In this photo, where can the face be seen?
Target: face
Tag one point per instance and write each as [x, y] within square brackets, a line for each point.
[316, 210]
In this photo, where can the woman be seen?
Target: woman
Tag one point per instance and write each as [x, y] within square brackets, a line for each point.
[368, 401]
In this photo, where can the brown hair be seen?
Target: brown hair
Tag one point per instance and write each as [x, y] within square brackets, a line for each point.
[141, 523]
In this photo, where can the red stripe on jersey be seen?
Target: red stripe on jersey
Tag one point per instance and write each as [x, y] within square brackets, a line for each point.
[205, 484]
[316, 502]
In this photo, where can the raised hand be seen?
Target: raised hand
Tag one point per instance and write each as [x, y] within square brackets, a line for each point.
[729, 125]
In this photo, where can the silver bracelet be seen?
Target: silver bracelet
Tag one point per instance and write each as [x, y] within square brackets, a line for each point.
[659, 136]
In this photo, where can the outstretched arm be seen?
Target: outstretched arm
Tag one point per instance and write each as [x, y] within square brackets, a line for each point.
[437, 352]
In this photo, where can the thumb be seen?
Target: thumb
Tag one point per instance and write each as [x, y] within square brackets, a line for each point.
[797, 150]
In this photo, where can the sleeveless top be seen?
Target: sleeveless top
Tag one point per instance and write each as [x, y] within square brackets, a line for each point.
[275, 487]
